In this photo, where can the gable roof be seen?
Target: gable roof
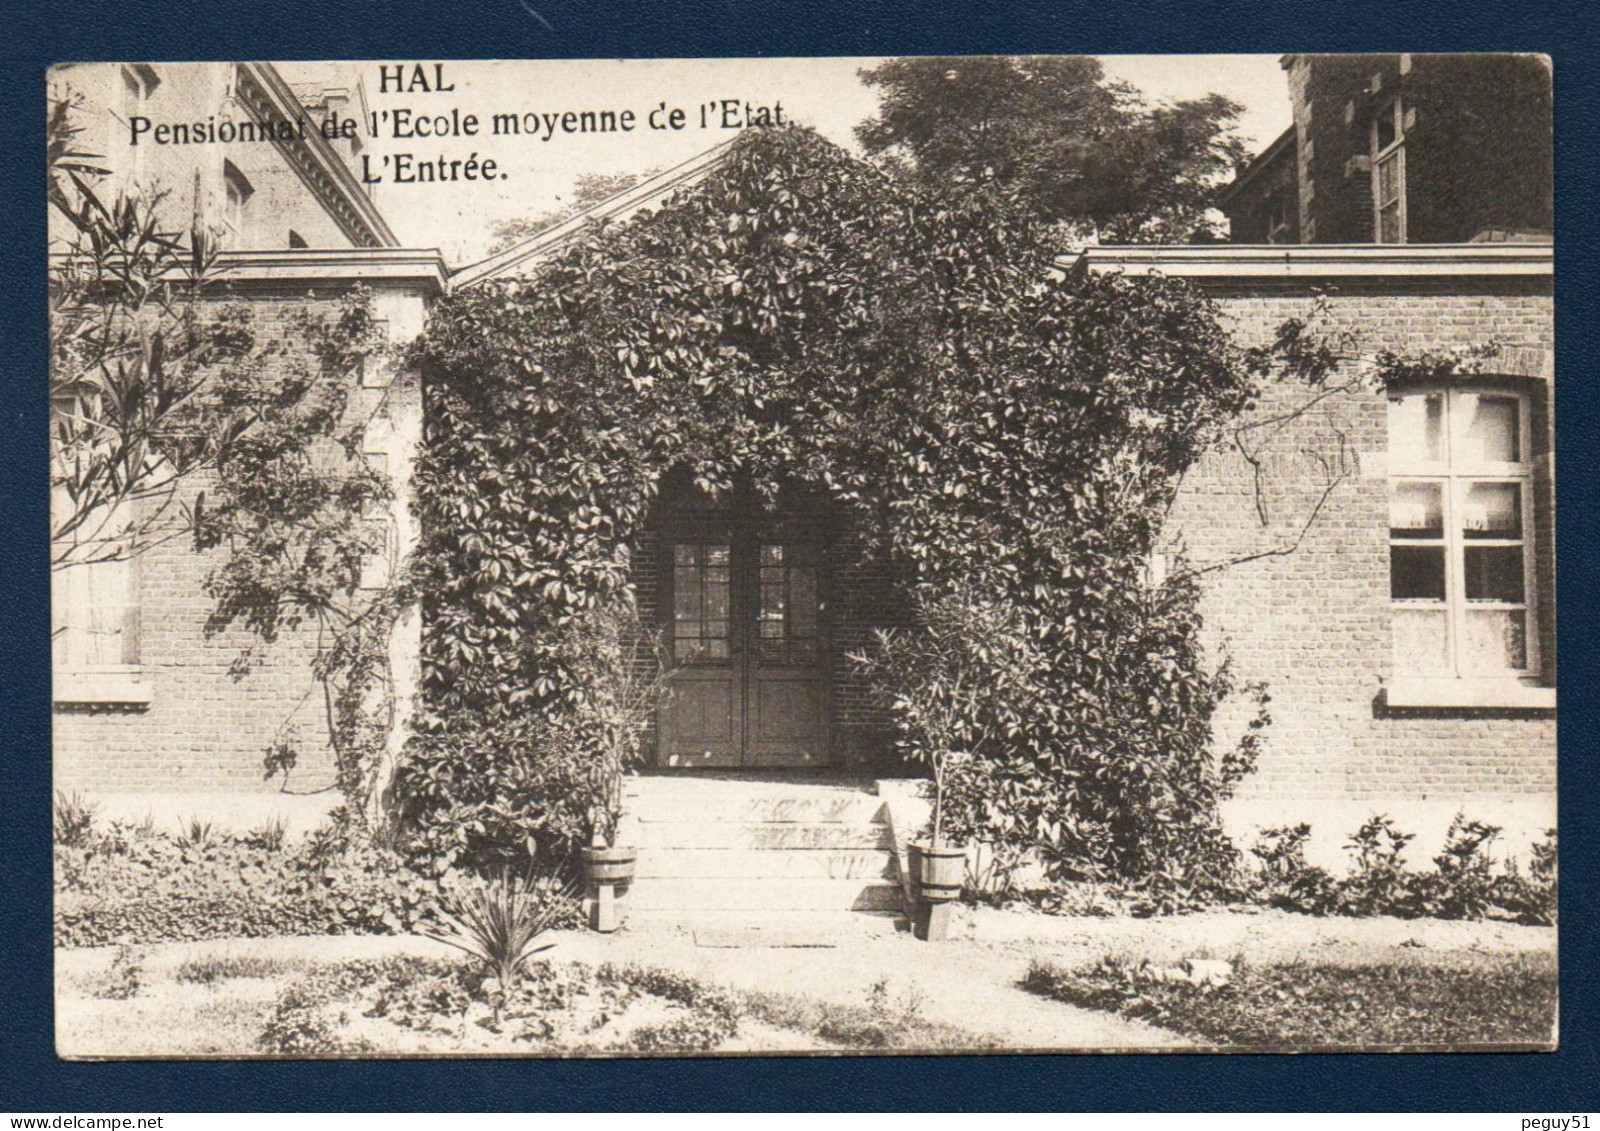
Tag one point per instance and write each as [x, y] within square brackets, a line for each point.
[1264, 160]
[527, 253]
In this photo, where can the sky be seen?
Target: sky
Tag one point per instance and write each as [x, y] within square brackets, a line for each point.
[534, 174]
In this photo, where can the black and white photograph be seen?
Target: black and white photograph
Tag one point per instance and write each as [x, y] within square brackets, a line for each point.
[802, 556]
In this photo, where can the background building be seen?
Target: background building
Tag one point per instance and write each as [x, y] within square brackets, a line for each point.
[1404, 149]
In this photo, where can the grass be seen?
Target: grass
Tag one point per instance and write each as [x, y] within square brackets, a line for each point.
[212, 971]
[858, 1027]
[1502, 1001]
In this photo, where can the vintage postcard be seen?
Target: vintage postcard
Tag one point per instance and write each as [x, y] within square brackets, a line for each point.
[820, 556]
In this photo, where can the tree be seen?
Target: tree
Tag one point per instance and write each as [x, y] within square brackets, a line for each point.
[1053, 133]
[131, 354]
[169, 419]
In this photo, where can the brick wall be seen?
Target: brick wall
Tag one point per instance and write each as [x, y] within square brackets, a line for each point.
[1477, 144]
[1315, 622]
[204, 731]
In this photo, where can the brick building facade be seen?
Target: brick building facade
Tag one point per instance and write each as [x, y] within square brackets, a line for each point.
[147, 713]
[1404, 149]
[1398, 595]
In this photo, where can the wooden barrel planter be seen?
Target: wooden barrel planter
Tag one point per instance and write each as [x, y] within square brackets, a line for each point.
[607, 870]
[938, 873]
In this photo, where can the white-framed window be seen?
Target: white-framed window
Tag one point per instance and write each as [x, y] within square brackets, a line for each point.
[236, 194]
[1388, 143]
[95, 619]
[1461, 534]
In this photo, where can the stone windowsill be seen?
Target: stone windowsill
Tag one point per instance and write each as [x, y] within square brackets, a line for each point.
[110, 686]
[1445, 691]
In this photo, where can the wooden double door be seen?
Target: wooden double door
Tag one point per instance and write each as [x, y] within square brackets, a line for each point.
[744, 602]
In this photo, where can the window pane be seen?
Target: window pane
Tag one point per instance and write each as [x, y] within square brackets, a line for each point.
[1497, 640]
[1388, 181]
[1386, 125]
[803, 600]
[686, 595]
[1492, 510]
[1389, 224]
[1416, 510]
[1416, 428]
[1416, 573]
[1421, 641]
[1494, 573]
[1490, 429]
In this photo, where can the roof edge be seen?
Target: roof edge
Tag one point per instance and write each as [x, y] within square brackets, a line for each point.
[337, 180]
[423, 268]
[617, 206]
[1304, 262]
[1257, 164]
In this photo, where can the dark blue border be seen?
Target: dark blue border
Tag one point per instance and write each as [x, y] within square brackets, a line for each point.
[37, 33]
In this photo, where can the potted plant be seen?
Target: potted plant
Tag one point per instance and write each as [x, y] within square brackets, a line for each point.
[620, 674]
[943, 680]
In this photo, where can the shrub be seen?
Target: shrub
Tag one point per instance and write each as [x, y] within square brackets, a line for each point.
[426, 999]
[196, 833]
[1532, 898]
[1505, 1000]
[269, 834]
[1462, 884]
[1378, 883]
[73, 819]
[126, 888]
[499, 921]
[211, 971]
[509, 794]
[1285, 880]
[300, 1023]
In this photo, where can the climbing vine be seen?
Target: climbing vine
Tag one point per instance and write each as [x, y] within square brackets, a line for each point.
[799, 317]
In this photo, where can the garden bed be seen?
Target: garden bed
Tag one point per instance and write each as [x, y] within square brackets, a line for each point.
[1483, 1002]
[276, 1002]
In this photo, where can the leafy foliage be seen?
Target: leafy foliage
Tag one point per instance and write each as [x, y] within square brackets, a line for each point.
[73, 818]
[941, 678]
[1462, 884]
[130, 887]
[799, 317]
[172, 417]
[505, 793]
[1055, 135]
[1503, 1000]
[499, 921]
[1377, 883]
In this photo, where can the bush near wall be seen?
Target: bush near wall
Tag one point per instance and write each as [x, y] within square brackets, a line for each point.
[130, 886]
[1464, 882]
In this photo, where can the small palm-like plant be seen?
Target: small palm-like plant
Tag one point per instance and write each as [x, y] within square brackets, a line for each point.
[499, 920]
[74, 819]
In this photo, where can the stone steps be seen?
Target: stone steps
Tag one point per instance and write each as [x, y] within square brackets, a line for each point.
[756, 863]
[767, 895]
[720, 850]
[709, 832]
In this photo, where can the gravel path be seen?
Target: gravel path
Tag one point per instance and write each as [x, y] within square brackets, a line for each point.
[969, 983]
